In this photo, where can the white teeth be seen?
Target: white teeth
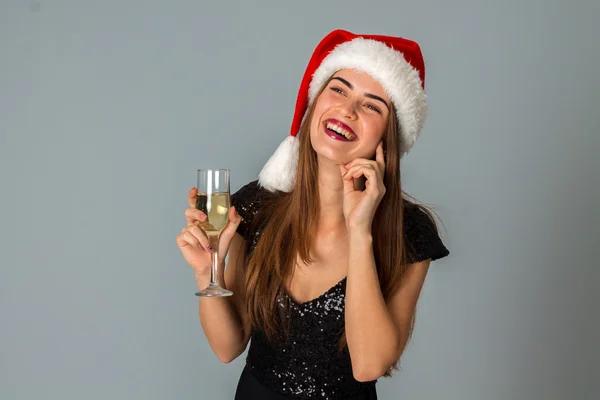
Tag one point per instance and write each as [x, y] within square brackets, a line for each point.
[339, 130]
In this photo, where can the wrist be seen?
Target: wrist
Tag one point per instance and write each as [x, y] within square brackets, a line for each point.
[358, 229]
[361, 227]
[360, 236]
[202, 280]
[203, 277]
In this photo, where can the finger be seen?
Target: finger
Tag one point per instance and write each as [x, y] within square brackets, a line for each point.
[366, 163]
[359, 161]
[200, 237]
[185, 238]
[192, 194]
[229, 231]
[348, 183]
[234, 220]
[379, 158]
[193, 215]
[373, 184]
[356, 172]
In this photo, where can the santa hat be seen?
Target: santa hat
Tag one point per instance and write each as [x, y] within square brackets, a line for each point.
[396, 63]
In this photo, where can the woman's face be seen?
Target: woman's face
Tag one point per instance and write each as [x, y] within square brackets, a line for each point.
[350, 117]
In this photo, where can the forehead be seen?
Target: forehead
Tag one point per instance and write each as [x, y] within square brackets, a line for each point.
[362, 81]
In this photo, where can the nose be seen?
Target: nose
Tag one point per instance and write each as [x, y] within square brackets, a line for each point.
[348, 110]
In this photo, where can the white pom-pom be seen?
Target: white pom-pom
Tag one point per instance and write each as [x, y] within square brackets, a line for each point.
[279, 173]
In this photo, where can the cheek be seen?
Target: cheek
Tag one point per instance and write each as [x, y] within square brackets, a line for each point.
[314, 129]
[321, 107]
[375, 128]
[374, 132]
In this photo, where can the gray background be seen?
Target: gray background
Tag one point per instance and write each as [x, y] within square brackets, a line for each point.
[107, 108]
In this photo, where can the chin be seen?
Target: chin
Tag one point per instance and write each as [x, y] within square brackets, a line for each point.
[329, 152]
[336, 157]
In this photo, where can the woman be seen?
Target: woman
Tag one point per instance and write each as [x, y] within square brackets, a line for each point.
[327, 257]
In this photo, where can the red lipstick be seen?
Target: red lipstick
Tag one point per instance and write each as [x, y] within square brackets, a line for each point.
[338, 130]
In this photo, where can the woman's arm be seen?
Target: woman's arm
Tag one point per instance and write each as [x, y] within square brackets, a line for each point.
[224, 319]
[377, 332]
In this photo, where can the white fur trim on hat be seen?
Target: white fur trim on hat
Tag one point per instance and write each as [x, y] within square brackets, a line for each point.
[398, 78]
[386, 65]
[279, 172]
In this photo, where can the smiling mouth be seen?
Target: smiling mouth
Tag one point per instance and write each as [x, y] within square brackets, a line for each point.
[337, 130]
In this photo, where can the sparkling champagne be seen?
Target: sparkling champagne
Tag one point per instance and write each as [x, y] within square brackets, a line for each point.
[216, 207]
[214, 201]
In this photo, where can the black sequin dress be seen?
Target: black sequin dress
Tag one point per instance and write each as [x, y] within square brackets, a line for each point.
[309, 364]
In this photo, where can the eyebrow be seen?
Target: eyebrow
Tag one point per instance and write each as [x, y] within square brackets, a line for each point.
[372, 96]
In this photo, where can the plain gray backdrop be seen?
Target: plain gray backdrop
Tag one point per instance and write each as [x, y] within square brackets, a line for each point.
[107, 108]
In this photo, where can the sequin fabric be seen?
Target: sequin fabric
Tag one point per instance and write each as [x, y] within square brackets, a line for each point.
[308, 365]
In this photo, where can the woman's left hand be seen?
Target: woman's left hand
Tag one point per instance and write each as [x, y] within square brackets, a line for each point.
[360, 206]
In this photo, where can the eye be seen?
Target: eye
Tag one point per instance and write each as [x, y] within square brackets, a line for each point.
[338, 90]
[372, 107]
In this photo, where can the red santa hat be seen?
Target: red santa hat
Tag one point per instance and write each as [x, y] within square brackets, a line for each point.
[396, 63]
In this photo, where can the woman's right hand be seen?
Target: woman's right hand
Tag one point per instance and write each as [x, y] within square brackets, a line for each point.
[193, 242]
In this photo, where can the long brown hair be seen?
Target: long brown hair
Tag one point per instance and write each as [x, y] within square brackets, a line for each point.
[289, 222]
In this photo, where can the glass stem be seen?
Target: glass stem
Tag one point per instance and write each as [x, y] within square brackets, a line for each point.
[214, 271]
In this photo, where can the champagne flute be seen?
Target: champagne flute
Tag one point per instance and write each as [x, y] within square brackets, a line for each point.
[213, 199]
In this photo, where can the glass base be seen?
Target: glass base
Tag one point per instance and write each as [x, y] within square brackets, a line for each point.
[214, 290]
